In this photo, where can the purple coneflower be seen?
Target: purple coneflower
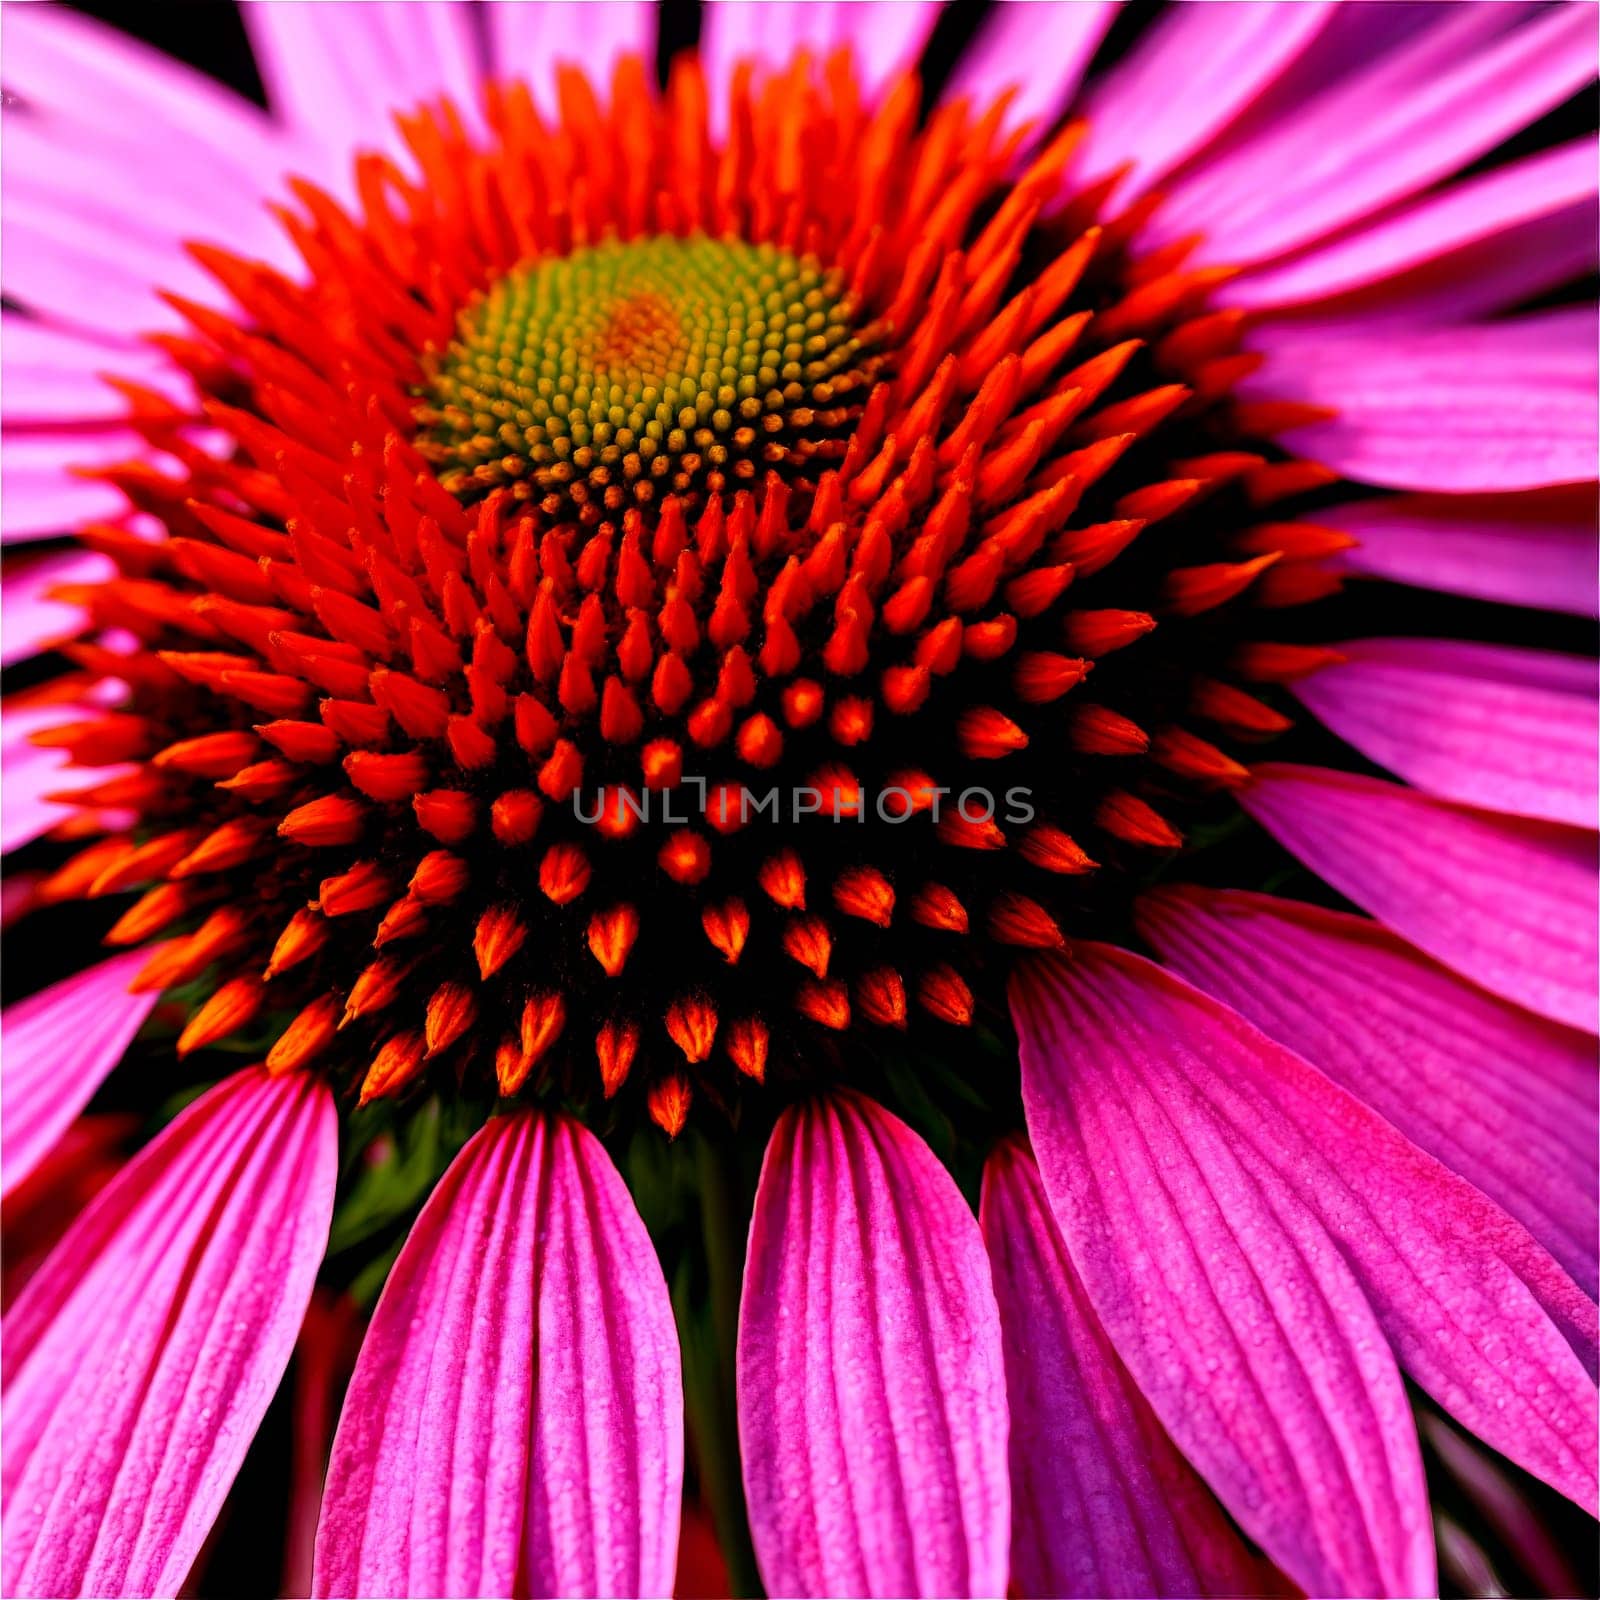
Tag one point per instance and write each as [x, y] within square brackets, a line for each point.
[510, 471]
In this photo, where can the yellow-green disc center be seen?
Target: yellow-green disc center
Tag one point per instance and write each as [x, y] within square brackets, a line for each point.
[635, 368]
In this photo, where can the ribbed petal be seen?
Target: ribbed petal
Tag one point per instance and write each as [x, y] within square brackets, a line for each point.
[1524, 550]
[885, 37]
[56, 1049]
[338, 71]
[872, 1406]
[41, 496]
[1509, 904]
[29, 620]
[1193, 72]
[144, 1353]
[1181, 1147]
[531, 41]
[1419, 114]
[1101, 1501]
[1500, 406]
[1505, 1099]
[1509, 730]
[30, 772]
[52, 376]
[1040, 50]
[1488, 209]
[514, 1425]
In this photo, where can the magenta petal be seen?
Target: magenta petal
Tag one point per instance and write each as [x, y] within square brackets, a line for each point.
[1507, 1100]
[872, 1407]
[1187, 1117]
[515, 1422]
[532, 41]
[1498, 406]
[29, 620]
[1509, 730]
[1417, 115]
[41, 496]
[1101, 1501]
[1189, 76]
[56, 1049]
[1480, 210]
[1523, 550]
[1040, 50]
[144, 1353]
[1509, 904]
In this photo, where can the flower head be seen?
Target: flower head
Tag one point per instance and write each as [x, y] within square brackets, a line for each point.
[728, 612]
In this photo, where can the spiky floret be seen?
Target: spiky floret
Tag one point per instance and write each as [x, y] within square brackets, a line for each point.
[421, 649]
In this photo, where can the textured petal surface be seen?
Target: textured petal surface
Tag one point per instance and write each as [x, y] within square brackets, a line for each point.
[1039, 50]
[56, 1048]
[1507, 1100]
[1127, 1067]
[1418, 114]
[514, 1425]
[30, 621]
[1508, 730]
[144, 1353]
[337, 71]
[872, 1407]
[1501, 406]
[1486, 208]
[1524, 550]
[1101, 1501]
[532, 41]
[1508, 904]
[1190, 75]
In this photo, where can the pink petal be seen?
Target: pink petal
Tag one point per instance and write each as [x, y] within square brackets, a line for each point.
[1506, 903]
[1419, 114]
[143, 1355]
[337, 72]
[53, 376]
[885, 38]
[1473, 723]
[1040, 50]
[872, 1409]
[29, 772]
[1526, 550]
[29, 620]
[41, 495]
[531, 41]
[1154, 1107]
[1101, 1501]
[514, 1425]
[1508, 405]
[59, 1045]
[1190, 75]
[1481, 210]
[1505, 1099]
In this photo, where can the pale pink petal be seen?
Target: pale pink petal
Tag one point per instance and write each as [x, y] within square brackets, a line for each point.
[1421, 113]
[51, 376]
[144, 1353]
[1525, 550]
[1474, 723]
[514, 1425]
[29, 772]
[30, 621]
[1509, 405]
[1041, 50]
[56, 1048]
[1509, 904]
[1191, 74]
[531, 41]
[885, 37]
[338, 71]
[41, 495]
[1101, 1501]
[871, 1384]
[1484, 210]
[1155, 1108]
[1505, 1099]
